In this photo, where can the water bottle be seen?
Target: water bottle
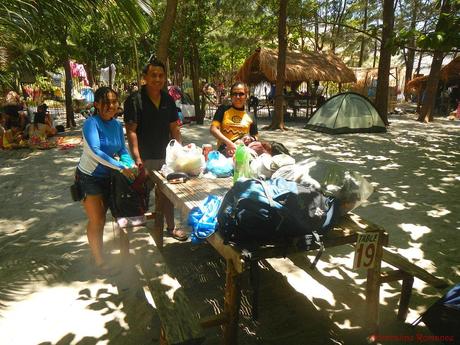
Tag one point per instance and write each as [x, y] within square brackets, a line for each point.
[241, 162]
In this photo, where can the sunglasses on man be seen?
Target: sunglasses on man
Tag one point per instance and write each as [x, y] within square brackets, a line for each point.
[238, 94]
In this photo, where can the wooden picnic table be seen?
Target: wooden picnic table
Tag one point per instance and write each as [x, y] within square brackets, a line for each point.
[187, 195]
[297, 102]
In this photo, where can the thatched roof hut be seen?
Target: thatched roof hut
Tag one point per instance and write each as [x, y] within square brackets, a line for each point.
[367, 77]
[451, 70]
[449, 74]
[262, 65]
[416, 84]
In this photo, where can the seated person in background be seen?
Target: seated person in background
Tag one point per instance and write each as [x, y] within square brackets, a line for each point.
[320, 100]
[40, 127]
[254, 103]
[13, 137]
[231, 123]
[14, 109]
[43, 109]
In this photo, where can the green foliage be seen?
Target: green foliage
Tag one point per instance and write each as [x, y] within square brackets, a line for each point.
[447, 35]
[97, 31]
[36, 35]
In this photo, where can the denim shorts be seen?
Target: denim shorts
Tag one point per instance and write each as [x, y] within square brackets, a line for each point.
[91, 185]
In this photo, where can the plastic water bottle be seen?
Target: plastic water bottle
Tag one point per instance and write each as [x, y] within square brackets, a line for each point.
[241, 162]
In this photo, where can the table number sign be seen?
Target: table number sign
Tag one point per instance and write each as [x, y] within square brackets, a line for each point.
[365, 250]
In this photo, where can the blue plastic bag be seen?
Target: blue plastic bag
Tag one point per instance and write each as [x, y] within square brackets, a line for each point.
[219, 165]
[203, 219]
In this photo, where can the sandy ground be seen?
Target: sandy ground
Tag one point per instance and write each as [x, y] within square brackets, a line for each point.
[49, 295]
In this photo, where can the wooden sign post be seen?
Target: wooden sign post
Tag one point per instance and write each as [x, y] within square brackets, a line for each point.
[365, 250]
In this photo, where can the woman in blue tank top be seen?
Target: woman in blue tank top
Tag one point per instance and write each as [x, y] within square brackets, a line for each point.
[104, 149]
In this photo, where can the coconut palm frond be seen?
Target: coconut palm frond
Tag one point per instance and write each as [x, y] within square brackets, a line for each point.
[124, 15]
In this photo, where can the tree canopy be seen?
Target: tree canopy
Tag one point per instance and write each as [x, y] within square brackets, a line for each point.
[214, 36]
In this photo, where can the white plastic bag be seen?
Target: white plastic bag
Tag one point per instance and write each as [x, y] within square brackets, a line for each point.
[187, 159]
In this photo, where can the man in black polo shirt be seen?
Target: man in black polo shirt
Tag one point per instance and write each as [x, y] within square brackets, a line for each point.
[151, 122]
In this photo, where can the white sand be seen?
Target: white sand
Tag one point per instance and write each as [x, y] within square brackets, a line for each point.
[48, 294]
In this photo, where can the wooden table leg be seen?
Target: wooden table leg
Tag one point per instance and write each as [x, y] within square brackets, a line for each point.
[373, 290]
[124, 242]
[157, 231]
[232, 300]
[406, 291]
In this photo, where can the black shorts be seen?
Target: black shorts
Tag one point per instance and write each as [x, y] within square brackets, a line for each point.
[91, 185]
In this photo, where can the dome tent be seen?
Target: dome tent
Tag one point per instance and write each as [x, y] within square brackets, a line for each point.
[346, 112]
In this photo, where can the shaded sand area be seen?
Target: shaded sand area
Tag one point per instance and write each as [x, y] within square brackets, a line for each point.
[49, 295]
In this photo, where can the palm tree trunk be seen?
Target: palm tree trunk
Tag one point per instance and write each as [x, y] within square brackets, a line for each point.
[411, 50]
[381, 93]
[166, 30]
[278, 118]
[195, 72]
[70, 118]
[426, 114]
[110, 74]
[363, 39]
[89, 70]
[136, 61]
[374, 59]
[316, 32]
[429, 94]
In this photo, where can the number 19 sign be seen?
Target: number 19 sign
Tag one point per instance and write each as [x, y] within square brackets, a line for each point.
[365, 250]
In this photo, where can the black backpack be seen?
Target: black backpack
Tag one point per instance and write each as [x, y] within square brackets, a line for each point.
[129, 199]
[443, 317]
[272, 211]
[136, 100]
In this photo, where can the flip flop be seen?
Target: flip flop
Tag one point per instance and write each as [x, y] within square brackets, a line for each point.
[178, 234]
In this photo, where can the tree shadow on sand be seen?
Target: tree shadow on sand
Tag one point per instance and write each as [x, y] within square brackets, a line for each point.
[414, 169]
[285, 315]
[43, 250]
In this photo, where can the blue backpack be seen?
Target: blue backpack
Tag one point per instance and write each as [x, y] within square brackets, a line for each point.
[272, 211]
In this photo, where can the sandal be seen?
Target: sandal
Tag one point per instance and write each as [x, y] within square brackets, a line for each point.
[178, 234]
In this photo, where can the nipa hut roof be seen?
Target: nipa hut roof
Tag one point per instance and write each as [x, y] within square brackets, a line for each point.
[449, 72]
[262, 66]
[416, 84]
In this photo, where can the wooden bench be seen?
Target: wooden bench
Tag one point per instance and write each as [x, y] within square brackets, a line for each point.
[179, 323]
[406, 271]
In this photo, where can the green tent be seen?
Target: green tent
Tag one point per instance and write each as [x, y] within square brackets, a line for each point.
[347, 112]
